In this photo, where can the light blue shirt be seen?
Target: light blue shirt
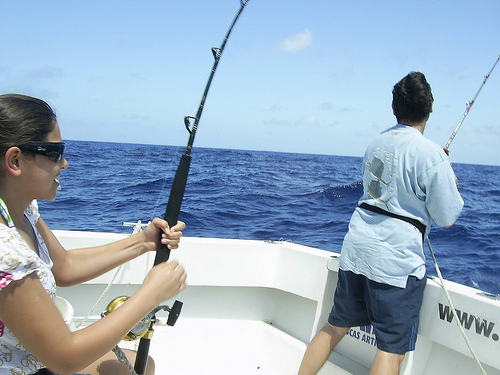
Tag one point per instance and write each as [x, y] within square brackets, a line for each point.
[409, 175]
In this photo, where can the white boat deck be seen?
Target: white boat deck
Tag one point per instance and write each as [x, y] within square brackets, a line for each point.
[211, 346]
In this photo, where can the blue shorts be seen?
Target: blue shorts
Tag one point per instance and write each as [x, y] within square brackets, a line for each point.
[393, 312]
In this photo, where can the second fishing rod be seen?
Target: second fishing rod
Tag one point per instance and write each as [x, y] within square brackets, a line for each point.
[469, 105]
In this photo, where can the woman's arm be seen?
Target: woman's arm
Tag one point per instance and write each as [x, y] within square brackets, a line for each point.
[32, 316]
[79, 265]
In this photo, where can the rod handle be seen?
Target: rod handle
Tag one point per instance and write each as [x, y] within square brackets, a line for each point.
[141, 359]
[174, 204]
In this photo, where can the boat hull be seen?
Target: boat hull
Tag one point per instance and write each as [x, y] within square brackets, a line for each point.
[253, 306]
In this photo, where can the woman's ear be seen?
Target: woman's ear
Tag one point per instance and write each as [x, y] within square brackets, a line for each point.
[11, 161]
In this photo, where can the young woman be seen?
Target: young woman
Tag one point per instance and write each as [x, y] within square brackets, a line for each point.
[34, 338]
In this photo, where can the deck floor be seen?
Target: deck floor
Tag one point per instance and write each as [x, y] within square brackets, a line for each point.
[211, 346]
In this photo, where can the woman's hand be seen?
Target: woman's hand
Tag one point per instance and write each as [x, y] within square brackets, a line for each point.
[170, 236]
[165, 281]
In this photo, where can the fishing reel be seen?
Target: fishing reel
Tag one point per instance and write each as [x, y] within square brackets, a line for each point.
[142, 328]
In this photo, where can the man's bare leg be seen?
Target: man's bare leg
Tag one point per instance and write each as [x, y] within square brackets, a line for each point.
[386, 363]
[319, 349]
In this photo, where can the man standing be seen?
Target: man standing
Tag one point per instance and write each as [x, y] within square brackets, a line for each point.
[407, 182]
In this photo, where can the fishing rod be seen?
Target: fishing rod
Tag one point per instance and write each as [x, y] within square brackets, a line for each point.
[469, 105]
[191, 123]
[177, 194]
[471, 349]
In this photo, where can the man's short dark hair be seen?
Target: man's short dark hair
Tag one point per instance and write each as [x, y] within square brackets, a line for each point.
[412, 98]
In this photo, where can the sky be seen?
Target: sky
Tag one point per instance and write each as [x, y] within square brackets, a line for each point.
[301, 76]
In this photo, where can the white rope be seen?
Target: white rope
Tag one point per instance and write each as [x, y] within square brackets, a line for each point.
[100, 298]
[454, 311]
[137, 228]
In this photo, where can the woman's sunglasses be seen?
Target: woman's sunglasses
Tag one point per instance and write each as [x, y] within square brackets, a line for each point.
[53, 150]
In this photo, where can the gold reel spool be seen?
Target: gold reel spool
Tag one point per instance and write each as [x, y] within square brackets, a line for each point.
[139, 330]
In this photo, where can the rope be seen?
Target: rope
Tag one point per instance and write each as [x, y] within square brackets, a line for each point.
[123, 358]
[137, 228]
[454, 311]
[100, 298]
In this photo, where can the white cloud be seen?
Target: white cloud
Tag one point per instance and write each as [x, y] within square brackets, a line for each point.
[311, 120]
[297, 42]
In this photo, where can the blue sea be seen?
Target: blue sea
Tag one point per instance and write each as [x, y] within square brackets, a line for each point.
[304, 198]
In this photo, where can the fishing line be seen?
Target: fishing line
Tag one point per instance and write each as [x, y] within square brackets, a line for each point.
[469, 105]
[453, 309]
[157, 204]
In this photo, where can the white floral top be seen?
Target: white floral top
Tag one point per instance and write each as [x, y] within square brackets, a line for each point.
[17, 260]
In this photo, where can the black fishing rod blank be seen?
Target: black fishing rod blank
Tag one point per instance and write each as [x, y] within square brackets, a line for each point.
[469, 105]
[177, 192]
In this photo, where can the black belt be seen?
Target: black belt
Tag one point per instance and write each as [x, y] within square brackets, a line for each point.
[417, 224]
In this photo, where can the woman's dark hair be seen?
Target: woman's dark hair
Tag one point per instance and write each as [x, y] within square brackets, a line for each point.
[412, 99]
[24, 119]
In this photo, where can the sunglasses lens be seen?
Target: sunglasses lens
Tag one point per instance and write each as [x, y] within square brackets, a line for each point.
[53, 150]
[54, 156]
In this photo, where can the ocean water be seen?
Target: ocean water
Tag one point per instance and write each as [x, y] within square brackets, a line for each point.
[303, 198]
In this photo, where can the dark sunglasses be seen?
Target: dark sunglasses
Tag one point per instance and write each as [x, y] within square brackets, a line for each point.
[53, 150]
